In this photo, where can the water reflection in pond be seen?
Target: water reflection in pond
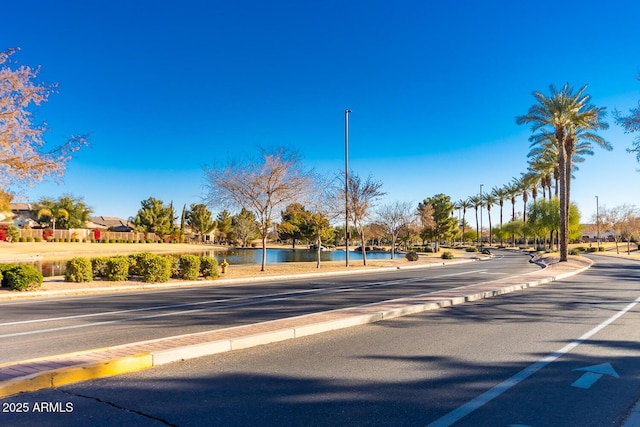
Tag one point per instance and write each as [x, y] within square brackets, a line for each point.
[241, 257]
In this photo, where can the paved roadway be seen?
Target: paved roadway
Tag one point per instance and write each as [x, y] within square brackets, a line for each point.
[44, 327]
[516, 360]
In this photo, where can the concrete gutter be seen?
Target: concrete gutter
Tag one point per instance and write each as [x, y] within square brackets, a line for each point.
[56, 371]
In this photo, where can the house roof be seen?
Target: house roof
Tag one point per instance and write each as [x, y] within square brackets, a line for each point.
[108, 222]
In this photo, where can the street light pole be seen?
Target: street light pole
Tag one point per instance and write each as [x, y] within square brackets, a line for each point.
[346, 186]
[481, 185]
[597, 223]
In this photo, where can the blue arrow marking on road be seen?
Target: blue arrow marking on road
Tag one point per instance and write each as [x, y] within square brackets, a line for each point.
[593, 374]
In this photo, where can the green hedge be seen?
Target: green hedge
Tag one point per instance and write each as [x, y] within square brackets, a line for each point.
[22, 278]
[117, 269]
[209, 267]
[411, 256]
[78, 270]
[156, 269]
[189, 267]
[98, 265]
[446, 255]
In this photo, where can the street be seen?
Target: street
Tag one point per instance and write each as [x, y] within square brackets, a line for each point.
[49, 326]
[562, 354]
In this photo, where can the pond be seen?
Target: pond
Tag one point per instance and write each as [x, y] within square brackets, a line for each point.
[241, 257]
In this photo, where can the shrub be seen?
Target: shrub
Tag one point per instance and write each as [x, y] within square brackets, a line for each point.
[428, 249]
[175, 267]
[13, 233]
[209, 267]
[601, 249]
[189, 266]
[137, 262]
[3, 269]
[575, 251]
[116, 268]
[23, 278]
[411, 256]
[78, 269]
[37, 239]
[155, 268]
[98, 265]
[446, 255]
[592, 249]
[472, 249]
[485, 251]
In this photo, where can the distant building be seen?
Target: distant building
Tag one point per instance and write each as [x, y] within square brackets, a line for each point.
[590, 233]
[24, 215]
[110, 223]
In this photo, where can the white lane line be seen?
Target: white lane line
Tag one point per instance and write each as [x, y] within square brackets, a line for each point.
[283, 296]
[496, 391]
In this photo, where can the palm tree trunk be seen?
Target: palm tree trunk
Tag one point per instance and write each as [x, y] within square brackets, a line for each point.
[490, 232]
[477, 228]
[562, 163]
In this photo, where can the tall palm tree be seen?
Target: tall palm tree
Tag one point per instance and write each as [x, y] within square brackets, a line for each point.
[464, 204]
[476, 202]
[500, 194]
[568, 115]
[523, 191]
[489, 200]
[513, 192]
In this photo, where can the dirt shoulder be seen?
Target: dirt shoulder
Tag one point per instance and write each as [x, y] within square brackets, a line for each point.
[29, 251]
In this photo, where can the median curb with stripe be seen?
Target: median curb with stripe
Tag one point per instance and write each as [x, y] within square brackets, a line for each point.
[56, 371]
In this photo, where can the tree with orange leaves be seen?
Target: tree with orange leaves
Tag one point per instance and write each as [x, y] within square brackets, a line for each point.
[23, 158]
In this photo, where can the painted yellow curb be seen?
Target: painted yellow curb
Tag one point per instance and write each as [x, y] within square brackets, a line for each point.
[74, 374]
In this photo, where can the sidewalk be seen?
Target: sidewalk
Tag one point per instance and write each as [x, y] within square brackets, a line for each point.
[56, 371]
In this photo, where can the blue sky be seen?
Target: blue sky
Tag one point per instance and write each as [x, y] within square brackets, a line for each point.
[167, 87]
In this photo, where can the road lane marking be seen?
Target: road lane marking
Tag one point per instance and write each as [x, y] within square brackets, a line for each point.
[593, 374]
[504, 386]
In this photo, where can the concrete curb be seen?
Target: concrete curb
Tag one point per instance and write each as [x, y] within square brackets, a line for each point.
[26, 376]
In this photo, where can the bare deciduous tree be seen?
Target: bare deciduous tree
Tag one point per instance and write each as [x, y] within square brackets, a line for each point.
[394, 217]
[362, 197]
[623, 222]
[270, 181]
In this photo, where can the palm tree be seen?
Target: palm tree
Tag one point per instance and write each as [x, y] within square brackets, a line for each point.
[489, 200]
[512, 191]
[568, 115]
[500, 193]
[52, 215]
[476, 202]
[464, 205]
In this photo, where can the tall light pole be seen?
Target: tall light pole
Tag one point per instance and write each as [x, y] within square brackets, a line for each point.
[346, 186]
[597, 223]
[481, 185]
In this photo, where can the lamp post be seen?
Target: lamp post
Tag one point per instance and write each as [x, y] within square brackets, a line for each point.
[481, 185]
[346, 186]
[597, 223]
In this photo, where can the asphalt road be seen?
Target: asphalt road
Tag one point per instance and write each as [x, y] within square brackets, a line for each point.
[43, 327]
[562, 354]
